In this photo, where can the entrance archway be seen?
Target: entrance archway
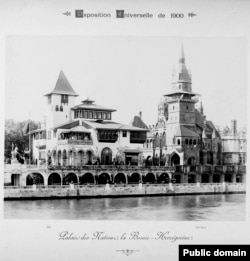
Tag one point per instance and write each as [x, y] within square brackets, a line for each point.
[177, 178]
[70, 178]
[87, 178]
[104, 178]
[54, 179]
[29, 180]
[204, 178]
[216, 178]
[106, 156]
[120, 178]
[149, 178]
[228, 178]
[163, 178]
[34, 178]
[134, 178]
[175, 160]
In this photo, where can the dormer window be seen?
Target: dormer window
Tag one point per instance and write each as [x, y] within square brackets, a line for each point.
[64, 98]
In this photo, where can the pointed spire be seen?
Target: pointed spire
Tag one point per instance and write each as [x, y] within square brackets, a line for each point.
[182, 55]
[63, 86]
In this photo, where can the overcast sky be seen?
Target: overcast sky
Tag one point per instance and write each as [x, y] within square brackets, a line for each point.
[129, 74]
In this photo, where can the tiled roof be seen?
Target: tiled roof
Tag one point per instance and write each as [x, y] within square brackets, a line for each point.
[185, 132]
[78, 129]
[112, 125]
[92, 107]
[199, 120]
[63, 86]
[180, 92]
[138, 122]
[68, 125]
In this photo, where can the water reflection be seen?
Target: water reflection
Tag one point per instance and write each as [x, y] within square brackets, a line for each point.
[175, 208]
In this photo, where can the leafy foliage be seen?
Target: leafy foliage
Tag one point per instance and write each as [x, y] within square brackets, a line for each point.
[15, 134]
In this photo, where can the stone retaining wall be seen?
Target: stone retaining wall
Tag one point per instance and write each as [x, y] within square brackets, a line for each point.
[72, 191]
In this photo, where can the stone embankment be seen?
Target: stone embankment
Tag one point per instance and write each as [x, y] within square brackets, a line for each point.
[88, 191]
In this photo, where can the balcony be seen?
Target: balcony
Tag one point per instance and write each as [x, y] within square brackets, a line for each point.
[75, 142]
[107, 136]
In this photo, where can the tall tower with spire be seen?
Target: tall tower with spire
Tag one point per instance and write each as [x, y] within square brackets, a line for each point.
[181, 128]
[59, 102]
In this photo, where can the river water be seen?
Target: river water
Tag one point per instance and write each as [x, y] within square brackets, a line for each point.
[228, 207]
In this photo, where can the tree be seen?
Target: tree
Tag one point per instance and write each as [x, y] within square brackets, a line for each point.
[14, 135]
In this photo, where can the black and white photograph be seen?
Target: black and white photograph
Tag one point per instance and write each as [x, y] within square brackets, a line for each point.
[137, 128]
[124, 130]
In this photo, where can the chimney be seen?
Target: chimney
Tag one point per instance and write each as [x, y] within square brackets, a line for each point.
[234, 127]
[140, 113]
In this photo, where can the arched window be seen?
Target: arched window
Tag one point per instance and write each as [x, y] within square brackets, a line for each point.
[57, 108]
[194, 142]
[179, 142]
[163, 141]
[186, 141]
[190, 142]
[61, 108]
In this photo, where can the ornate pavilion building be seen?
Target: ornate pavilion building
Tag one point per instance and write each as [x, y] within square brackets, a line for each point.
[80, 143]
[83, 134]
[182, 136]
